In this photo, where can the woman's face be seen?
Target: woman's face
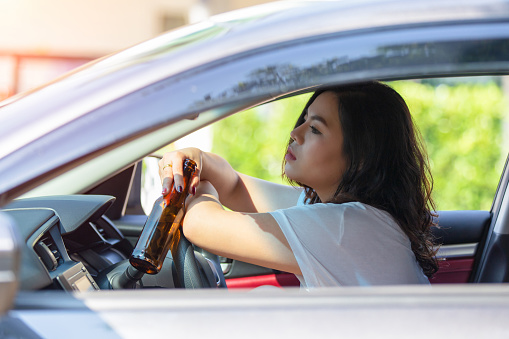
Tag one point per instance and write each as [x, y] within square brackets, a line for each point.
[315, 157]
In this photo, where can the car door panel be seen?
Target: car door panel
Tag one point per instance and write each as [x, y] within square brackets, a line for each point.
[459, 233]
[275, 279]
[461, 227]
[492, 266]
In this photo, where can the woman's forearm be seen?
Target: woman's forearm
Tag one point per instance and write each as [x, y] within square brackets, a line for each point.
[238, 192]
[251, 237]
[220, 174]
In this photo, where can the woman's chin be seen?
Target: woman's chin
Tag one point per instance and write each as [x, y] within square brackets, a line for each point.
[288, 167]
[290, 172]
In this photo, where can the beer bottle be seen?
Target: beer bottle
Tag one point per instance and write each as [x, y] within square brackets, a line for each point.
[160, 228]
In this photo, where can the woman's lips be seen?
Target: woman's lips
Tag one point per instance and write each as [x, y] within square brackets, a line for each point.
[289, 155]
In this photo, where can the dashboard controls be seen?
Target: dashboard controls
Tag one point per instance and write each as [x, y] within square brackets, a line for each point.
[77, 278]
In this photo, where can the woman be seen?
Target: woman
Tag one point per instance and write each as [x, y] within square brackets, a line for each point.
[363, 210]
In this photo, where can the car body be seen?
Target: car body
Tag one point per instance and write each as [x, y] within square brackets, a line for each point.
[69, 164]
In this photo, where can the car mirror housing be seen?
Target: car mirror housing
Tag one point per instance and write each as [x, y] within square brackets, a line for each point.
[10, 256]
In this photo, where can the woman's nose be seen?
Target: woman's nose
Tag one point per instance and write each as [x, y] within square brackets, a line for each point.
[295, 135]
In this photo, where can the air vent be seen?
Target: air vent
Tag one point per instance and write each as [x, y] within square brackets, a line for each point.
[48, 252]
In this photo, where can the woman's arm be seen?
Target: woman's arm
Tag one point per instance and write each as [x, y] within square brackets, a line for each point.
[255, 238]
[255, 195]
[236, 191]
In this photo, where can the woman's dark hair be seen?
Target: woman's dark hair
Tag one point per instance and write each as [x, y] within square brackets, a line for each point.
[388, 166]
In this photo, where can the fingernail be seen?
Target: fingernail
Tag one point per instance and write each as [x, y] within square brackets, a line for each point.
[179, 189]
[165, 190]
[193, 191]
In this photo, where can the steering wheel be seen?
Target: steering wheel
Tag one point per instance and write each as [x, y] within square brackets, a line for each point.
[193, 268]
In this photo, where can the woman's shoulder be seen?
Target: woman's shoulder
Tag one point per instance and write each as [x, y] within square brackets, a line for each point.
[352, 205]
[302, 202]
[324, 209]
[350, 211]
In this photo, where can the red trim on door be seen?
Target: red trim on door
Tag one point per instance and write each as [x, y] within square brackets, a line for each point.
[278, 280]
[453, 271]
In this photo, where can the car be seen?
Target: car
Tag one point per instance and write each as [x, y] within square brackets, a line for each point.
[71, 160]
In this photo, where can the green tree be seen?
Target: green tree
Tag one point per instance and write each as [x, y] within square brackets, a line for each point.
[461, 125]
[254, 141]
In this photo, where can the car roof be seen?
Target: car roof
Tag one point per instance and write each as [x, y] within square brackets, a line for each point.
[231, 62]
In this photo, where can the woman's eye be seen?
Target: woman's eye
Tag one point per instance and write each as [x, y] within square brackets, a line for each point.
[314, 130]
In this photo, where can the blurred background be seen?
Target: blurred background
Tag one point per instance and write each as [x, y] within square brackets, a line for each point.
[40, 40]
[43, 39]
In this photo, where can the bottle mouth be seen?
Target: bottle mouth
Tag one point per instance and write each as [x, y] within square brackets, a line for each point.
[143, 264]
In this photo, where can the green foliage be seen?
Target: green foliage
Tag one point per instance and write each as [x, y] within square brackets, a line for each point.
[254, 141]
[461, 125]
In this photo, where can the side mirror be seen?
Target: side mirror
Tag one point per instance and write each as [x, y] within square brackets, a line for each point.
[10, 258]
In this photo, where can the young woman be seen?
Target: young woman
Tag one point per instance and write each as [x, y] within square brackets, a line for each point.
[360, 209]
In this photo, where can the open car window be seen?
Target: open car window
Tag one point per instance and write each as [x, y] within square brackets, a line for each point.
[463, 123]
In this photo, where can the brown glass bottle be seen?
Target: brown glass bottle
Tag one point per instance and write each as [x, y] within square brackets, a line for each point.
[161, 225]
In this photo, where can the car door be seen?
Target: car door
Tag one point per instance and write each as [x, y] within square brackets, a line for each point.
[475, 243]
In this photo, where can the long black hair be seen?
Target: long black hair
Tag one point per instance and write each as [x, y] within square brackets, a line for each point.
[387, 162]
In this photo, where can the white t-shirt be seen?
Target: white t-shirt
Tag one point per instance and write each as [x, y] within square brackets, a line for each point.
[350, 244]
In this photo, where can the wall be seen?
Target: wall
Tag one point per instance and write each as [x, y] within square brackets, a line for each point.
[41, 39]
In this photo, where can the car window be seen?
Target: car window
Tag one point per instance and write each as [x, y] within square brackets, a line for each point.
[463, 122]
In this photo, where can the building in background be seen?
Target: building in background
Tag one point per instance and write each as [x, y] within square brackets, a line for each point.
[41, 40]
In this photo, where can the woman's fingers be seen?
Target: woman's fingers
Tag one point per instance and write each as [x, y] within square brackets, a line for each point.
[178, 176]
[195, 181]
[166, 175]
[171, 170]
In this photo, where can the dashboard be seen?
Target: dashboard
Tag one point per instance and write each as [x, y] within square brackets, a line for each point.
[70, 244]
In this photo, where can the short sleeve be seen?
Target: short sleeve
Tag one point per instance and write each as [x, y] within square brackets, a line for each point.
[314, 240]
[349, 244]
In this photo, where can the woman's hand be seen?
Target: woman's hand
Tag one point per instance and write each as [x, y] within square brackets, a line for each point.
[171, 168]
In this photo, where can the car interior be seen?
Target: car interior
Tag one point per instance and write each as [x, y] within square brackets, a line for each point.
[82, 242]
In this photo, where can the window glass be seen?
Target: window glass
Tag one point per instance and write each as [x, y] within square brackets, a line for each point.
[254, 142]
[463, 122]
